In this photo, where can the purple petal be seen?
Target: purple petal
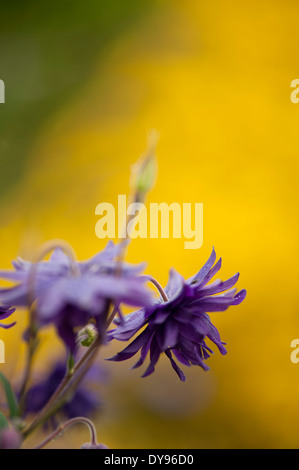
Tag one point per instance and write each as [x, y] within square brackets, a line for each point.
[171, 333]
[212, 304]
[214, 336]
[189, 349]
[16, 276]
[175, 366]
[180, 356]
[9, 325]
[204, 270]
[190, 333]
[67, 335]
[175, 283]
[199, 361]
[160, 316]
[111, 267]
[6, 313]
[154, 356]
[202, 325]
[239, 297]
[229, 294]
[132, 323]
[109, 253]
[211, 273]
[229, 283]
[127, 290]
[144, 350]
[132, 349]
[59, 257]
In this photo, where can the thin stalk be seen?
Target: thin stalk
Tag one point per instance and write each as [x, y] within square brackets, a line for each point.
[64, 426]
[56, 399]
[158, 286]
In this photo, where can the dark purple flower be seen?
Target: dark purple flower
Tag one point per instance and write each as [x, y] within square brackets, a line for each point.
[179, 326]
[70, 294]
[5, 312]
[84, 402]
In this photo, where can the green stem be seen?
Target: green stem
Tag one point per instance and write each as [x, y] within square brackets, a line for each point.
[56, 401]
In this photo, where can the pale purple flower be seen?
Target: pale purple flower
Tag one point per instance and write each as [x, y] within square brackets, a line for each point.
[70, 300]
[180, 326]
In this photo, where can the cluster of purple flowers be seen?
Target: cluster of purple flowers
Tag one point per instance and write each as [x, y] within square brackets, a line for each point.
[81, 300]
[71, 295]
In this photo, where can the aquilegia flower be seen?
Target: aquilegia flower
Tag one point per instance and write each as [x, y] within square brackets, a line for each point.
[70, 294]
[180, 325]
[5, 312]
[84, 402]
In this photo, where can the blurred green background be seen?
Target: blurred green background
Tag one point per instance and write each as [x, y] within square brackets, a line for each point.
[84, 84]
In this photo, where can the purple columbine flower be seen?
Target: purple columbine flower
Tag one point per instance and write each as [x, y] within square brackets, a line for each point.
[84, 402]
[5, 312]
[70, 294]
[179, 326]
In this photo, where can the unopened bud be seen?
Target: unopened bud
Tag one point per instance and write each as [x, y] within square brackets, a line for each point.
[146, 175]
[145, 171]
[10, 439]
[89, 445]
[87, 335]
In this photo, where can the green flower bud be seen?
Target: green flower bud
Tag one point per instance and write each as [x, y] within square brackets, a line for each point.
[87, 335]
[145, 171]
[147, 175]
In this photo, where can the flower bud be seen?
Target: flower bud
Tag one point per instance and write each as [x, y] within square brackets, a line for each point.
[89, 445]
[87, 335]
[10, 439]
[144, 172]
[146, 175]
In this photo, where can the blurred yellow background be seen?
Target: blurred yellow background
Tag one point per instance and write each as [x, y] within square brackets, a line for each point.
[213, 77]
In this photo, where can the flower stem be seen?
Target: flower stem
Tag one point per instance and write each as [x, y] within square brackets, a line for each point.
[66, 425]
[158, 286]
[111, 316]
[56, 399]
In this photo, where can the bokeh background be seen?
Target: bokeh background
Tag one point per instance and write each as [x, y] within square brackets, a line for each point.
[85, 81]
